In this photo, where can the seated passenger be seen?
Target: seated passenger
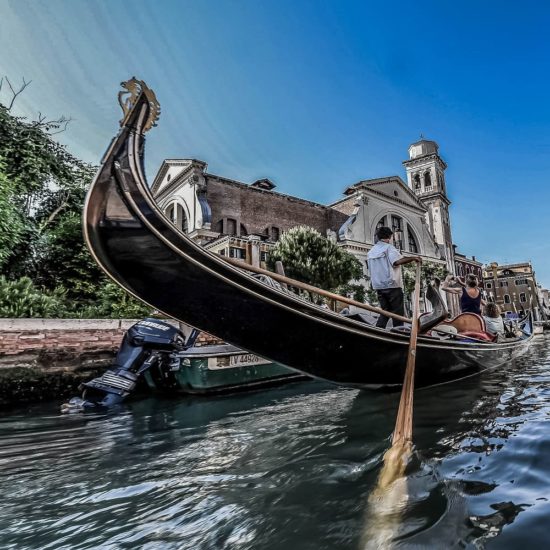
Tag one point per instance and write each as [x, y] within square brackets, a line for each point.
[493, 321]
[470, 294]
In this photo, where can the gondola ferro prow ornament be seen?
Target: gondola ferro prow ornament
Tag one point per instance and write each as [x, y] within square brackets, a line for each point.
[128, 97]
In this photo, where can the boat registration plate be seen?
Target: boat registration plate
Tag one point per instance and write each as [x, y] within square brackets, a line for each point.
[239, 360]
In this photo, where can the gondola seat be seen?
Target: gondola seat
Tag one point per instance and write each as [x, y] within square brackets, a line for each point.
[470, 325]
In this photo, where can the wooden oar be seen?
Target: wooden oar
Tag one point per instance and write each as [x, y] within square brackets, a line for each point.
[390, 496]
[314, 289]
[403, 424]
[395, 459]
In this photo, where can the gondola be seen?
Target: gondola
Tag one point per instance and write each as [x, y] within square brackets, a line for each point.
[141, 250]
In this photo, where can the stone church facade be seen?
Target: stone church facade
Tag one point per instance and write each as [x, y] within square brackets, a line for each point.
[244, 220]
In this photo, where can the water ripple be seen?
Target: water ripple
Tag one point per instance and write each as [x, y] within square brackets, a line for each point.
[291, 467]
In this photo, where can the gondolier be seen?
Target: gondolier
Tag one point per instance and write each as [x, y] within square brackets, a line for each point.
[385, 263]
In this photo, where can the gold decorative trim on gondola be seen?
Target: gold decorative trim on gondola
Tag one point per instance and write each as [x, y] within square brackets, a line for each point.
[128, 97]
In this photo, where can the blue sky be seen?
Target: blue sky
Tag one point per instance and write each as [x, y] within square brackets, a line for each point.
[315, 95]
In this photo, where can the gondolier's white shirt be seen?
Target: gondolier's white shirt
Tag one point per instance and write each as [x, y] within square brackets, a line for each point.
[382, 273]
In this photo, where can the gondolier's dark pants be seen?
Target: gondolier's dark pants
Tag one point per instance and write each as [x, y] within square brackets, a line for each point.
[391, 299]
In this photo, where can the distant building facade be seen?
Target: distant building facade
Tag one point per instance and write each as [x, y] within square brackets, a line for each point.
[244, 221]
[512, 286]
[467, 266]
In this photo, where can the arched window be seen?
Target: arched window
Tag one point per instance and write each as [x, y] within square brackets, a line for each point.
[413, 245]
[427, 180]
[417, 182]
[441, 181]
[226, 226]
[274, 233]
[397, 228]
[231, 226]
[507, 298]
[181, 218]
[176, 214]
[171, 213]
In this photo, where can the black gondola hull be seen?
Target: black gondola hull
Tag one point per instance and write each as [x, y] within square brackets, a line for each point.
[143, 252]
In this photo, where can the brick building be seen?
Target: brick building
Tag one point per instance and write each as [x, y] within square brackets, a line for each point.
[513, 286]
[467, 266]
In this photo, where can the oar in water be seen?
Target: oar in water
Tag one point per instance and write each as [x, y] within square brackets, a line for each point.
[395, 459]
[389, 498]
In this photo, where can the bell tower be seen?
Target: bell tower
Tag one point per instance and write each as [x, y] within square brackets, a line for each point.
[426, 178]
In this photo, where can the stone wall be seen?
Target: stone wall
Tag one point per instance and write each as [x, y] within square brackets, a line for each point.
[48, 358]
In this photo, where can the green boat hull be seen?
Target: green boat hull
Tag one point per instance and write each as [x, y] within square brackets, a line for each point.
[218, 369]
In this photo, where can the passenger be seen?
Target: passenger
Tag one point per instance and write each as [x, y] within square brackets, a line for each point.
[385, 263]
[470, 294]
[493, 321]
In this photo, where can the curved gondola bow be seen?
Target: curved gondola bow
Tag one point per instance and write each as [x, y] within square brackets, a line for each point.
[140, 249]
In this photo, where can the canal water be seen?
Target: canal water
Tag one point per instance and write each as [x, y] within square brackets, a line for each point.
[287, 468]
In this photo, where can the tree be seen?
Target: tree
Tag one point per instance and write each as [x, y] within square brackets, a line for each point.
[40, 177]
[21, 298]
[311, 258]
[12, 225]
[42, 250]
[428, 271]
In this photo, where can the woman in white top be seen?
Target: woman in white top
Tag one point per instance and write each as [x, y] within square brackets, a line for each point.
[493, 321]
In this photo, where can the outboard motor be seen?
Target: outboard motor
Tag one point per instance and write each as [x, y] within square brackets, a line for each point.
[148, 343]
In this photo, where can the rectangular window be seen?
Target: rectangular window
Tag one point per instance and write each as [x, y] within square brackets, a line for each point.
[222, 251]
[503, 283]
[239, 253]
[522, 298]
[263, 256]
[521, 282]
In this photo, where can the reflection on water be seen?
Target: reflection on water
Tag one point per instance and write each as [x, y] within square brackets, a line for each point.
[285, 468]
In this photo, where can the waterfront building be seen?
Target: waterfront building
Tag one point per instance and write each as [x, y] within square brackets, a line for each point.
[244, 220]
[512, 286]
[544, 299]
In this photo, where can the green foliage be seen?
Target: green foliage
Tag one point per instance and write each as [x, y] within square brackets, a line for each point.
[429, 271]
[12, 225]
[33, 158]
[21, 298]
[115, 303]
[63, 259]
[47, 267]
[311, 258]
[372, 297]
[354, 291]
